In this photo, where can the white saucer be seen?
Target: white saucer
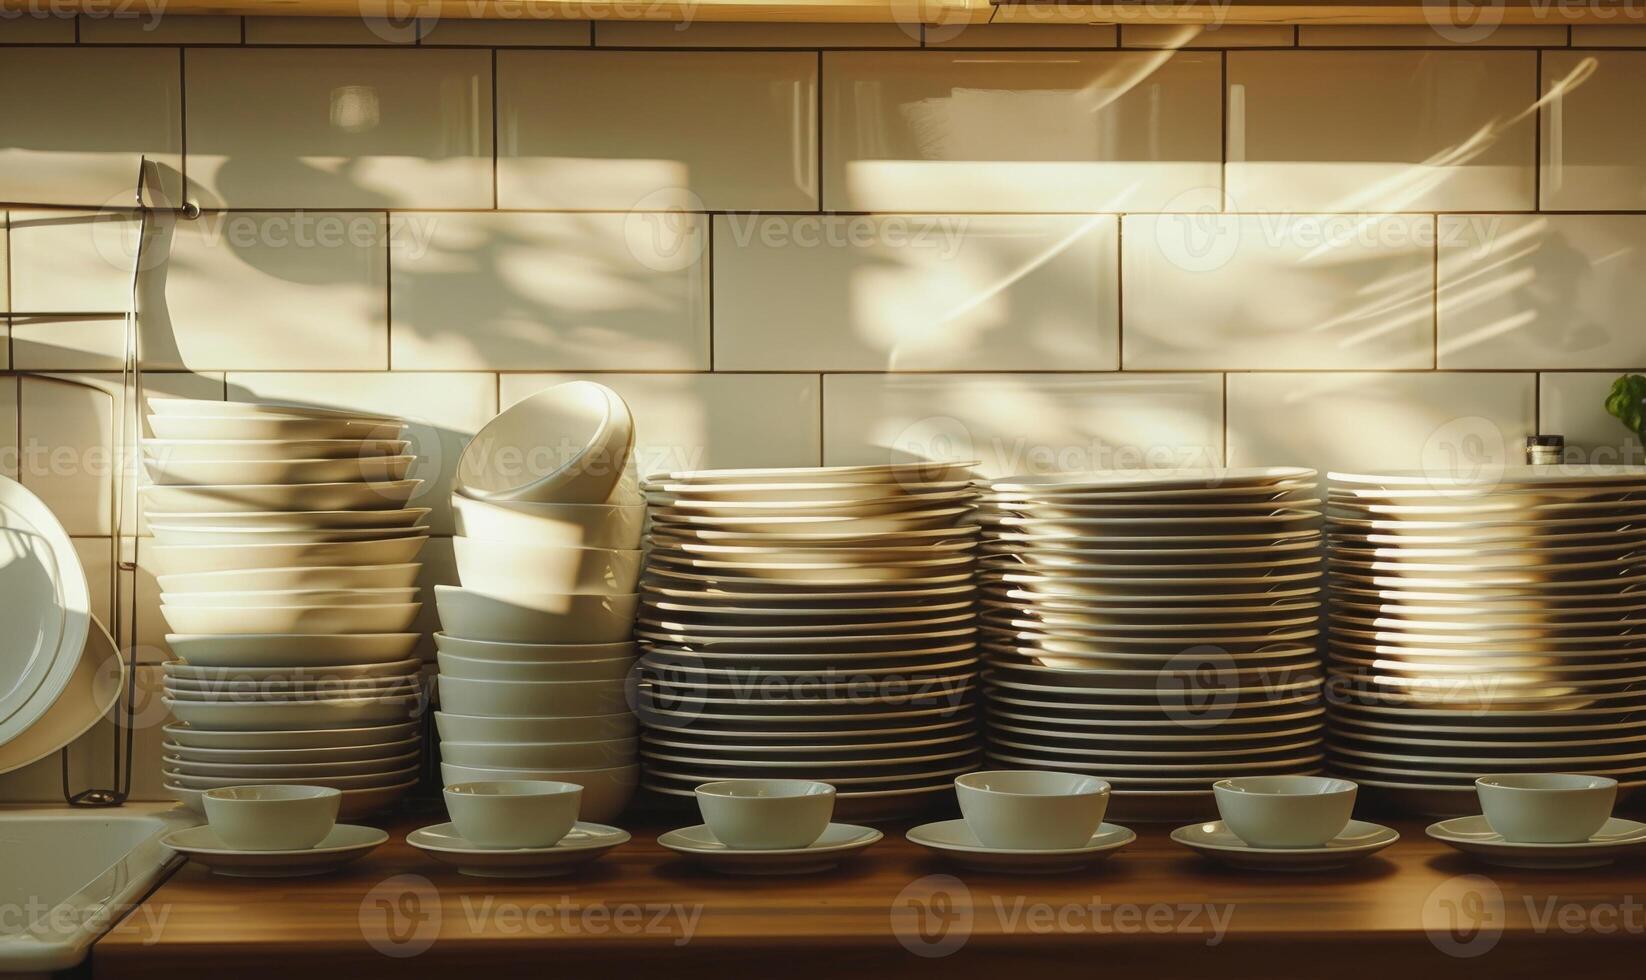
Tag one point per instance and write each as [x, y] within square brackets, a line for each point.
[345, 843]
[584, 843]
[957, 842]
[838, 840]
[1473, 835]
[1359, 839]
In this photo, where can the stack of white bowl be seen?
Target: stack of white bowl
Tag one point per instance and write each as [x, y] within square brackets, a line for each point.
[1158, 630]
[537, 644]
[1488, 624]
[286, 558]
[812, 623]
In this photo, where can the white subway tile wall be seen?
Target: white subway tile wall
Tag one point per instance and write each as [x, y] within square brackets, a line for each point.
[1047, 244]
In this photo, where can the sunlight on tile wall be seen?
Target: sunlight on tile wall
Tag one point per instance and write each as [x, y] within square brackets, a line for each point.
[1043, 246]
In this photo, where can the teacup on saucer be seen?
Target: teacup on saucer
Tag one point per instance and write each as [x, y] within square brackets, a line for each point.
[1359, 839]
[1546, 808]
[837, 841]
[1285, 811]
[583, 843]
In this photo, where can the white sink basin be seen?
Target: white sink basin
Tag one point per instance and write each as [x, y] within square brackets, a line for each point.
[67, 875]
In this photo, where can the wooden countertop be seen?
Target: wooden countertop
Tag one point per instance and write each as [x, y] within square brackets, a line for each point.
[1154, 909]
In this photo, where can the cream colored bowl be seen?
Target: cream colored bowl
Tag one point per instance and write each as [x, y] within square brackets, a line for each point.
[567, 444]
[391, 618]
[535, 653]
[536, 618]
[194, 472]
[186, 559]
[605, 791]
[614, 669]
[550, 525]
[585, 728]
[532, 699]
[506, 568]
[297, 578]
[542, 755]
[272, 818]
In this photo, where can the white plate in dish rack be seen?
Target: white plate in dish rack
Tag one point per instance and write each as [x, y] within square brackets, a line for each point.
[45, 609]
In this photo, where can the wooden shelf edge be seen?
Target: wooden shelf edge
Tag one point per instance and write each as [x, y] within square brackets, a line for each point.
[1436, 13]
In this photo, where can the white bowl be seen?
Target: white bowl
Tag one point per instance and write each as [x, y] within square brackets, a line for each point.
[567, 444]
[283, 756]
[536, 618]
[1032, 809]
[177, 670]
[184, 559]
[501, 731]
[377, 739]
[1285, 811]
[291, 649]
[195, 472]
[504, 568]
[356, 802]
[289, 520]
[272, 818]
[294, 597]
[1546, 808]
[469, 668]
[513, 813]
[534, 653]
[542, 755]
[393, 618]
[251, 772]
[337, 782]
[766, 814]
[168, 450]
[400, 576]
[532, 699]
[550, 525]
[605, 791]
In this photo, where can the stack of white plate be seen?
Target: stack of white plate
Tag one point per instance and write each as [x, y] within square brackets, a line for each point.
[537, 645]
[1158, 630]
[1485, 625]
[816, 623]
[286, 558]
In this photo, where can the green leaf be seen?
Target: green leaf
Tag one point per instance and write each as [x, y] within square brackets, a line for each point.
[1627, 401]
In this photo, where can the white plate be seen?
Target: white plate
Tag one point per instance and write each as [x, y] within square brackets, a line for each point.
[187, 559]
[291, 649]
[285, 756]
[584, 843]
[838, 841]
[45, 610]
[198, 407]
[1164, 479]
[400, 576]
[678, 534]
[99, 677]
[798, 554]
[915, 471]
[896, 523]
[281, 427]
[1473, 835]
[1358, 840]
[954, 840]
[170, 534]
[1510, 476]
[327, 739]
[174, 766]
[372, 781]
[294, 715]
[344, 844]
[290, 520]
[840, 508]
[227, 472]
[665, 492]
[224, 499]
[167, 450]
[240, 620]
[299, 597]
[816, 573]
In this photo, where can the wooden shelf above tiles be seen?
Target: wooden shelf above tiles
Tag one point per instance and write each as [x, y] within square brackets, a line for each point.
[1410, 12]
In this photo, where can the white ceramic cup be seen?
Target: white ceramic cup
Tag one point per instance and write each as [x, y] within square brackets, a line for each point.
[1285, 811]
[1031, 809]
[1546, 808]
[766, 814]
[272, 818]
[514, 813]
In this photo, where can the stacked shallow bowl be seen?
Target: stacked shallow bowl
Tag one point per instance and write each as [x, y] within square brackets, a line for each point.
[286, 558]
[814, 623]
[1487, 625]
[1160, 631]
[537, 647]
